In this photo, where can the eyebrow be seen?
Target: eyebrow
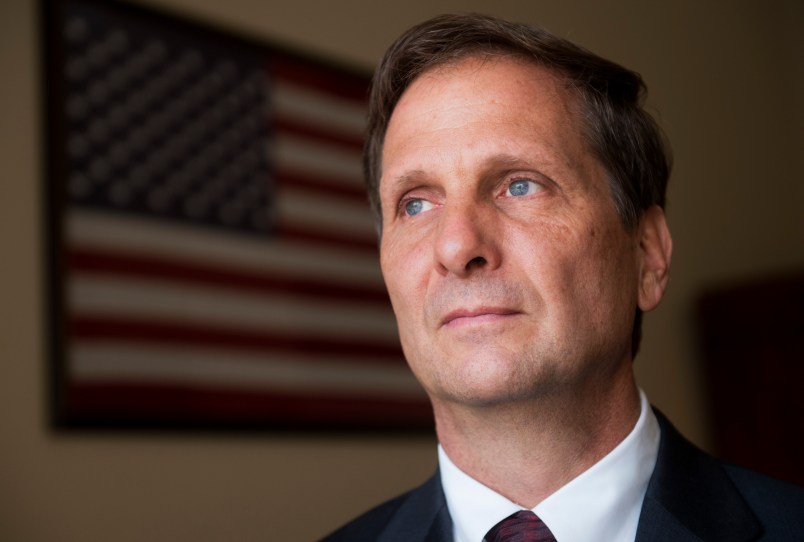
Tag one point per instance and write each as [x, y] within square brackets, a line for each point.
[495, 161]
[507, 161]
[410, 176]
[403, 182]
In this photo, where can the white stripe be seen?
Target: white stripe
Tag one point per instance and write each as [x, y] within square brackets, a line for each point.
[330, 163]
[134, 297]
[136, 362]
[116, 232]
[335, 215]
[319, 108]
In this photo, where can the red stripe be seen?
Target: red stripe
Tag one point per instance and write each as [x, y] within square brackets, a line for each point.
[290, 178]
[152, 267]
[320, 77]
[305, 234]
[317, 133]
[155, 331]
[164, 404]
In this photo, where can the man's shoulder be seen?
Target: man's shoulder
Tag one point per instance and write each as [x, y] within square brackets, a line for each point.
[419, 514]
[694, 492]
[370, 524]
[773, 501]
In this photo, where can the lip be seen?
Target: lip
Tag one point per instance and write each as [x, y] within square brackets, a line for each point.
[476, 316]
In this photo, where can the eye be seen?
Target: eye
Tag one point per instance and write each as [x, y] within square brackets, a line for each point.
[415, 206]
[522, 187]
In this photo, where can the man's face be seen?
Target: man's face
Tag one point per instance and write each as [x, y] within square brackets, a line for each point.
[509, 270]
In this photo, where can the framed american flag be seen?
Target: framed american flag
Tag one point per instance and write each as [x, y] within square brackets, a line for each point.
[211, 256]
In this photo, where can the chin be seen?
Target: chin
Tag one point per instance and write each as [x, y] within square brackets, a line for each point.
[488, 388]
[485, 396]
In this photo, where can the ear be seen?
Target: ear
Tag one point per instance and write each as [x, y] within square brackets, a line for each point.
[655, 252]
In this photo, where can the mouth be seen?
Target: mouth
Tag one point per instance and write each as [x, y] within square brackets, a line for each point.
[480, 315]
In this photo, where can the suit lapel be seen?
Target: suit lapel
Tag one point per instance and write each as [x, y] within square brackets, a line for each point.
[691, 498]
[423, 517]
[441, 528]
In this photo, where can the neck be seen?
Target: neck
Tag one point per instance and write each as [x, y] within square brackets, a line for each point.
[527, 450]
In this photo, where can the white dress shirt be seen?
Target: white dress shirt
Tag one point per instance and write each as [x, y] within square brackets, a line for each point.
[602, 503]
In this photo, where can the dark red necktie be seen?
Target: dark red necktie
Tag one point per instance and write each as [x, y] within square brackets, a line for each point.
[524, 526]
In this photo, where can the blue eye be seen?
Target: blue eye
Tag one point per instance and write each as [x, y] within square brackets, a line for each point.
[414, 207]
[522, 187]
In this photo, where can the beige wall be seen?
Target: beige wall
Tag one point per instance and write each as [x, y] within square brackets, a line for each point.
[726, 79]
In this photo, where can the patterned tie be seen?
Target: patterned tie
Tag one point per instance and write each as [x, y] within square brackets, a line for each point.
[524, 526]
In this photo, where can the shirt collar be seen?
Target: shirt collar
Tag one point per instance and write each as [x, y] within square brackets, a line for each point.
[602, 503]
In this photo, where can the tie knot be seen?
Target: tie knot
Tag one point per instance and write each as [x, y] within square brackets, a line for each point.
[523, 526]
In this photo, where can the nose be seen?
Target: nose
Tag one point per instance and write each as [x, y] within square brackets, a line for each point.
[467, 239]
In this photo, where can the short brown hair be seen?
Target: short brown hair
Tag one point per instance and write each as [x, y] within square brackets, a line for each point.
[621, 134]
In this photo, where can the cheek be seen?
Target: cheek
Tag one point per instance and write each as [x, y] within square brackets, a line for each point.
[590, 269]
[393, 280]
[402, 272]
[407, 305]
[609, 269]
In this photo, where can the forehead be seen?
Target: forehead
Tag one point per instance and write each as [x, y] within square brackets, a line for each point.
[500, 104]
[500, 77]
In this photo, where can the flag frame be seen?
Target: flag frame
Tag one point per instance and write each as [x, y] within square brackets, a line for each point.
[168, 404]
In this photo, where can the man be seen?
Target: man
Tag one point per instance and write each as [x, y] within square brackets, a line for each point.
[520, 188]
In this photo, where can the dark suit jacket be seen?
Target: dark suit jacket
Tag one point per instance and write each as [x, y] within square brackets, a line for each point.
[691, 497]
